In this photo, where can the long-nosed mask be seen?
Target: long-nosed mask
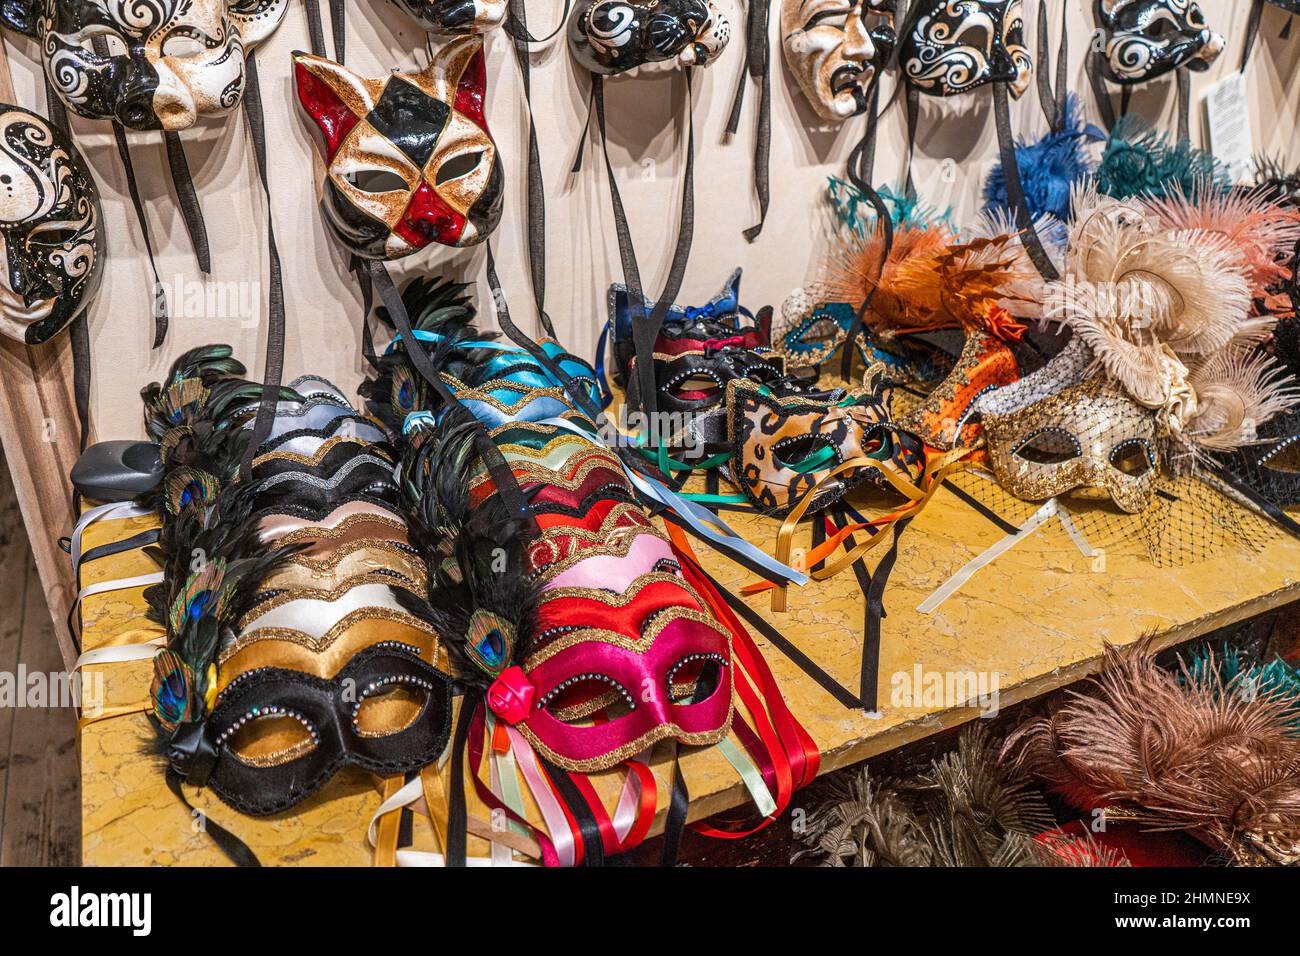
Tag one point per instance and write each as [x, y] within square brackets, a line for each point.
[835, 49]
[149, 64]
[614, 36]
[953, 46]
[49, 224]
[411, 161]
[1139, 40]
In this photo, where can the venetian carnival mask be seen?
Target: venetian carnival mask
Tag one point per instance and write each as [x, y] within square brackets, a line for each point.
[835, 52]
[149, 64]
[49, 222]
[1139, 40]
[953, 46]
[456, 16]
[1089, 439]
[614, 36]
[784, 446]
[410, 158]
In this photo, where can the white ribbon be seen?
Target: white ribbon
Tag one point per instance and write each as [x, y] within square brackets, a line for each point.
[967, 571]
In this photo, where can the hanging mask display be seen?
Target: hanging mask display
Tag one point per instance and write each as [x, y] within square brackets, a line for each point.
[1140, 40]
[614, 36]
[953, 46]
[149, 64]
[456, 16]
[50, 224]
[410, 158]
[836, 51]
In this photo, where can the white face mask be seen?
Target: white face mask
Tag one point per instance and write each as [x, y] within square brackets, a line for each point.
[50, 244]
[149, 64]
[835, 52]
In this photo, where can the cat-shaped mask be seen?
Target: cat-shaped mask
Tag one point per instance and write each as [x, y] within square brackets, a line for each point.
[411, 161]
[149, 64]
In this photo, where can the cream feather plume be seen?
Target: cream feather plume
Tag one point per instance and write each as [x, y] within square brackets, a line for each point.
[1236, 391]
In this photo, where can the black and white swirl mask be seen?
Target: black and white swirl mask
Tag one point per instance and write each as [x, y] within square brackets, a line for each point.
[953, 46]
[614, 36]
[149, 64]
[49, 226]
[456, 17]
[1139, 40]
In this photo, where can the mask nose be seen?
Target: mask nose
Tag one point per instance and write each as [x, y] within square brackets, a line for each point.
[428, 219]
[172, 100]
[134, 108]
[858, 44]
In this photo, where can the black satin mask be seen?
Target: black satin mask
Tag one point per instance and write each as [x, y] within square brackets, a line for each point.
[49, 222]
[319, 726]
[951, 47]
[614, 36]
[1140, 40]
[1272, 468]
[697, 381]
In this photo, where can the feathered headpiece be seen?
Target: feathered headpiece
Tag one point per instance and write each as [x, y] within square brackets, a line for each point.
[1050, 168]
[1166, 308]
[1202, 753]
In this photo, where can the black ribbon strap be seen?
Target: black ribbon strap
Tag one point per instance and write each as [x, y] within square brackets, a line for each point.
[502, 475]
[457, 810]
[160, 319]
[1099, 91]
[1015, 188]
[235, 849]
[188, 197]
[1052, 102]
[517, 21]
[757, 66]
[273, 374]
[675, 821]
[1252, 31]
[646, 330]
[1184, 81]
[859, 168]
[593, 847]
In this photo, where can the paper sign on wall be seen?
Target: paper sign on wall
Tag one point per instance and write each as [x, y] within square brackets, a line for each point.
[1228, 112]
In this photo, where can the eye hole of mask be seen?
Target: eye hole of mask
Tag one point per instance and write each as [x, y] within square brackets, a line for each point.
[51, 238]
[378, 181]
[1132, 458]
[458, 166]
[804, 453]
[1051, 446]
[694, 679]
[1285, 457]
[588, 695]
[975, 36]
[388, 710]
[182, 46]
[1159, 28]
[111, 42]
[821, 332]
[272, 739]
[695, 388]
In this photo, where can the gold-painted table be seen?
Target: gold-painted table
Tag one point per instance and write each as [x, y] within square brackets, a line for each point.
[1036, 618]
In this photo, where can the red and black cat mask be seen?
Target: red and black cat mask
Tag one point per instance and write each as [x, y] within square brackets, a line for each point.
[411, 161]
